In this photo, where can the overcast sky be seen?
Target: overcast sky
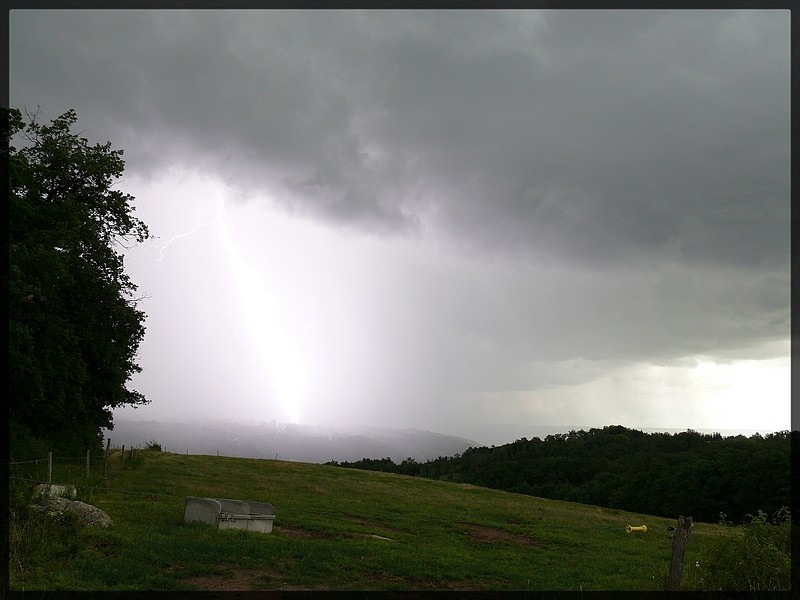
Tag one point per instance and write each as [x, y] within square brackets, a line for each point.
[467, 222]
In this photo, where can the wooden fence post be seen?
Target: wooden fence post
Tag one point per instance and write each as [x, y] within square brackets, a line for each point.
[123, 454]
[679, 540]
[88, 459]
[49, 467]
[105, 460]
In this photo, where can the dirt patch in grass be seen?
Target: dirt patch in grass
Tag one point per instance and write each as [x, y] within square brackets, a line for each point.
[236, 580]
[422, 584]
[493, 535]
[293, 531]
[244, 580]
[368, 523]
[355, 519]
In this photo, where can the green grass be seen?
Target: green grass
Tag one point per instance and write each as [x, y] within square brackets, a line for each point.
[442, 535]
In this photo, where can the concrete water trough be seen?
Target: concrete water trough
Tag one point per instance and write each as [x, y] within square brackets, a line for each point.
[223, 513]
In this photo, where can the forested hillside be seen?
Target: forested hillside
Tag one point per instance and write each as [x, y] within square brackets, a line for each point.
[657, 473]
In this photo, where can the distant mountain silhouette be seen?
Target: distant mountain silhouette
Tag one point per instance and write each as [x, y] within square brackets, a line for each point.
[300, 443]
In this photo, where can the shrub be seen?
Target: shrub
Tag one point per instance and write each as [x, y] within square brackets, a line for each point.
[756, 557]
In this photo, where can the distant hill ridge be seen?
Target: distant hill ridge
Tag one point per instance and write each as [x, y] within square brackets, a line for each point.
[300, 443]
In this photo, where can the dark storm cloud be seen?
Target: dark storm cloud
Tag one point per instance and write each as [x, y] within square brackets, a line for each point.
[245, 95]
[579, 135]
[503, 329]
[607, 187]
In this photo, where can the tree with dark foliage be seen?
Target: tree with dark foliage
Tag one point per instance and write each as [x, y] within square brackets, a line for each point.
[658, 474]
[74, 328]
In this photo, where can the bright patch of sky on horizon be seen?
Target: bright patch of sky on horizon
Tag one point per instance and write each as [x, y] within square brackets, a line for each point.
[475, 223]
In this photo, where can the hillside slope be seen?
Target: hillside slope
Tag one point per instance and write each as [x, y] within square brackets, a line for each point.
[343, 529]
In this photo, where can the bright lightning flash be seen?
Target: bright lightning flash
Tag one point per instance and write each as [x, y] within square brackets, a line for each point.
[265, 320]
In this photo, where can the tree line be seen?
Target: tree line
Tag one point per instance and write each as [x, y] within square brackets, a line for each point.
[702, 475]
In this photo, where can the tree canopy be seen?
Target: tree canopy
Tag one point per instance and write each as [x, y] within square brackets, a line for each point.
[659, 474]
[74, 325]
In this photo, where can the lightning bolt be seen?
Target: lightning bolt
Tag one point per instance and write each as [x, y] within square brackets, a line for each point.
[276, 351]
[265, 319]
[169, 242]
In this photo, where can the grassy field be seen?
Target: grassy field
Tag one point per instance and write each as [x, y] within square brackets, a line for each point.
[337, 529]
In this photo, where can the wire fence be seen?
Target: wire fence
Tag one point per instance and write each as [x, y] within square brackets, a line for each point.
[70, 469]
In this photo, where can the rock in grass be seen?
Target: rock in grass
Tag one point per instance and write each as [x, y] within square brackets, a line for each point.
[86, 514]
[54, 490]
